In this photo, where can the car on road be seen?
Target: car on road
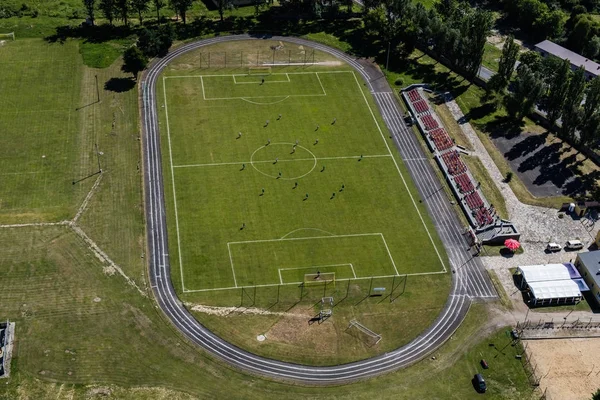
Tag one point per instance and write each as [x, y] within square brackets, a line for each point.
[553, 247]
[574, 244]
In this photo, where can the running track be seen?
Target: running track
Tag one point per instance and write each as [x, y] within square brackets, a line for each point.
[469, 281]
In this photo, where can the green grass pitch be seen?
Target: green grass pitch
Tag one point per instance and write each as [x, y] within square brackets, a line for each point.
[276, 179]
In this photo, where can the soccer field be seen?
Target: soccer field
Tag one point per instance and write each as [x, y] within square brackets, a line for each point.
[273, 177]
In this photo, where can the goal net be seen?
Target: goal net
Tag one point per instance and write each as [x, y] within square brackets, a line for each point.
[319, 278]
[363, 333]
[259, 71]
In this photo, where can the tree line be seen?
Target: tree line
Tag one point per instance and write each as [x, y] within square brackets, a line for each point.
[564, 94]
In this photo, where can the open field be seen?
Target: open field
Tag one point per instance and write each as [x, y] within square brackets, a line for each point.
[252, 214]
[42, 150]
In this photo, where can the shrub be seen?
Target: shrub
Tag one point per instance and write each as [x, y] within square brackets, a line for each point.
[509, 176]
[398, 82]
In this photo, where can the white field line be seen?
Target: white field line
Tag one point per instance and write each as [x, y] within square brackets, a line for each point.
[317, 267]
[264, 97]
[305, 238]
[321, 83]
[173, 182]
[400, 173]
[274, 73]
[279, 161]
[299, 283]
[354, 273]
[389, 254]
[60, 223]
[254, 83]
[265, 104]
[306, 229]
[231, 262]
[201, 83]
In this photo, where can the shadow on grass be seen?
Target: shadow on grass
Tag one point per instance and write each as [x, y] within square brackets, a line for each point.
[119, 85]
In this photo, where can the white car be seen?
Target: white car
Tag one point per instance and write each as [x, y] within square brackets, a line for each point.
[553, 247]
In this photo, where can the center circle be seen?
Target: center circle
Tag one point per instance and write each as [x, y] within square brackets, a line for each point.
[286, 152]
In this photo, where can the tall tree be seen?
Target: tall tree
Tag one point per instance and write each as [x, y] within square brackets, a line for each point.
[446, 8]
[90, 8]
[108, 8]
[528, 89]
[134, 61]
[123, 7]
[506, 66]
[158, 4]
[571, 113]
[181, 7]
[590, 128]
[475, 28]
[140, 6]
[222, 5]
[559, 83]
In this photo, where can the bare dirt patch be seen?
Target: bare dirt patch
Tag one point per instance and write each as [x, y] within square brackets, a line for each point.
[568, 368]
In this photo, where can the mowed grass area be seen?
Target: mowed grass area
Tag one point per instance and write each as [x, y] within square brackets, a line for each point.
[335, 202]
[320, 189]
[42, 150]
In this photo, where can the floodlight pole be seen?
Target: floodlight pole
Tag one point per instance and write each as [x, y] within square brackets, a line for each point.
[98, 157]
[97, 89]
[387, 62]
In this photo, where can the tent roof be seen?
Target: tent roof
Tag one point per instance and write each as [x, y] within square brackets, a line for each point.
[554, 289]
[548, 272]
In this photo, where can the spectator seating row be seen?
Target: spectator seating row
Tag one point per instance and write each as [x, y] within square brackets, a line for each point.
[441, 139]
[474, 201]
[414, 95]
[453, 163]
[421, 106]
[464, 183]
[429, 122]
[484, 217]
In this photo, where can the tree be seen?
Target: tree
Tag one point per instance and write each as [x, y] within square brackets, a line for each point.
[581, 33]
[90, 7]
[123, 7]
[181, 7]
[592, 48]
[590, 129]
[571, 113]
[134, 61]
[596, 395]
[479, 25]
[559, 84]
[446, 8]
[108, 9]
[506, 66]
[156, 42]
[222, 5]
[158, 4]
[527, 90]
[140, 6]
[532, 59]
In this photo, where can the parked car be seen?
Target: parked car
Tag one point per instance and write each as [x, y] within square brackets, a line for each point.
[574, 245]
[553, 247]
[480, 383]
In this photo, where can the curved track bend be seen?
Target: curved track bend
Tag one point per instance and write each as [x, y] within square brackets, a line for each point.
[469, 279]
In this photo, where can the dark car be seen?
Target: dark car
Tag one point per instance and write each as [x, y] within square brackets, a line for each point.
[480, 383]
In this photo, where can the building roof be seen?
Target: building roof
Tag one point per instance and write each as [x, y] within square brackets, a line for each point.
[591, 261]
[554, 289]
[575, 59]
[541, 273]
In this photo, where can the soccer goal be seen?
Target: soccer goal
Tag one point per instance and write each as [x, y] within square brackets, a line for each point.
[363, 333]
[319, 278]
[10, 35]
[259, 70]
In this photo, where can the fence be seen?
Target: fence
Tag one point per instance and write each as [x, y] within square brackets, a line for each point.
[239, 59]
[564, 324]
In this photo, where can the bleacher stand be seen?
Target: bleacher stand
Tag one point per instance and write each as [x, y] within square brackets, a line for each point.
[441, 139]
[464, 183]
[429, 122]
[414, 95]
[421, 106]
[453, 163]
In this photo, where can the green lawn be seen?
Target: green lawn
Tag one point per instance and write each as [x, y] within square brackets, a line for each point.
[41, 149]
[491, 57]
[239, 236]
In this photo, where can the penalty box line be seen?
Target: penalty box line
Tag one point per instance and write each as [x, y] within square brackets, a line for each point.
[254, 83]
[308, 238]
[258, 97]
[315, 267]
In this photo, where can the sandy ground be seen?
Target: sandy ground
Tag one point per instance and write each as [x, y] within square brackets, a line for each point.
[569, 368]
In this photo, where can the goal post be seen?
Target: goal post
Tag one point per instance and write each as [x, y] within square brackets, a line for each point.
[363, 333]
[319, 278]
[259, 70]
[10, 35]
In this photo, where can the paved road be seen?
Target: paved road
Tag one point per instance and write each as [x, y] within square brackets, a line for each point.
[469, 279]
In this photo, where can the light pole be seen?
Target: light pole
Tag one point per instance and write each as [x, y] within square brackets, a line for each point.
[387, 61]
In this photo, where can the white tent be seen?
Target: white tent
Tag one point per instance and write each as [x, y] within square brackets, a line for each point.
[559, 291]
[540, 273]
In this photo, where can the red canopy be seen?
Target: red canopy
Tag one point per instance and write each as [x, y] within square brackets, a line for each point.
[512, 244]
